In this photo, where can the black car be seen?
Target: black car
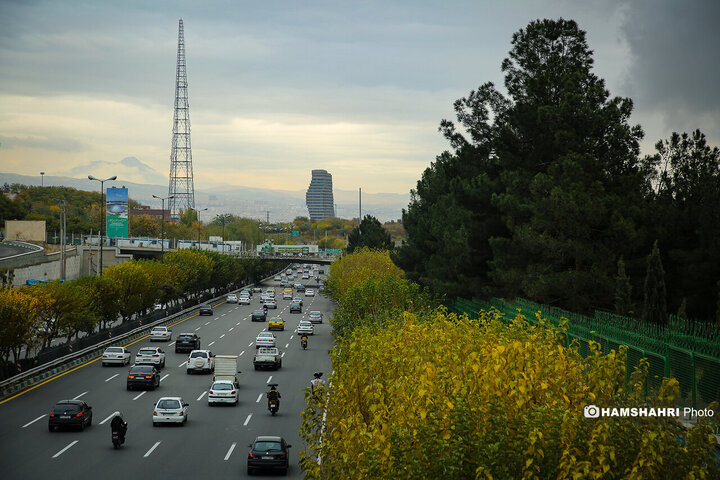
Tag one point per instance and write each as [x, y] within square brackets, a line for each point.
[187, 342]
[321, 271]
[299, 287]
[70, 413]
[206, 310]
[268, 452]
[295, 307]
[145, 376]
[258, 316]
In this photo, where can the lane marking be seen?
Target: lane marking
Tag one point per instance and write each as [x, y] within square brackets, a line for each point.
[232, 447]
[200, 397]
[171, 344]
[64, 449]
[182, 364]
[30, 423]
[163, 378]
[247, 420]
[241, 353]
[287, 345]
[207, 323]
[210, 344]
[283, 354]
[112, 377]
[143, 393]
[269, 378]
[83, 393]
[237, 324]
[250, 344]
[231, 329]
[221, 336]
[108, 418]
[198, 328]
[151, 449]
[291, 337]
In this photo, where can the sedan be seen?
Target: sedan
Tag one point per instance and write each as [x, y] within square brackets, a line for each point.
[160, 333]
[119, 355]
[276, 323]
[265, 339]
[170, 410]
[298, 300]
[223, 391]
[244, 300]
[206, 310]
[270, 303]
[70, 413]
[150, 356]
[145, 376]
[295, 307]
[256, 290]
[232, 298]
[305, 327]
[258, 316]
[315, 317]
[268, 452]
[309, 292]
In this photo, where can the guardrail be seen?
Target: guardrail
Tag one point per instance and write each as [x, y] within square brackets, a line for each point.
[48, 370]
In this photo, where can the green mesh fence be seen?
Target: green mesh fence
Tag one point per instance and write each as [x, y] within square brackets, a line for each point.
[686, 350]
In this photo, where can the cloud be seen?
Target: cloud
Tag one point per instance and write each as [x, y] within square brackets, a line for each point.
[46, 143]
[129, 169]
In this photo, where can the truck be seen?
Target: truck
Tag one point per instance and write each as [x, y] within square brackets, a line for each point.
[267, 357]
[226, 368]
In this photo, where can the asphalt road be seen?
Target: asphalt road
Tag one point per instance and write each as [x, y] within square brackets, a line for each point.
[214, 441]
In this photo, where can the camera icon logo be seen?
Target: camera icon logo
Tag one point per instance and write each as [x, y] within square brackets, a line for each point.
[591, 411]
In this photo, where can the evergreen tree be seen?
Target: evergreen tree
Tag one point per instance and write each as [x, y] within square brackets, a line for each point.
[623, 291]
[655, 307]
[370, 233]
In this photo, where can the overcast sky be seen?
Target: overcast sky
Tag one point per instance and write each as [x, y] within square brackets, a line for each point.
[279, 88]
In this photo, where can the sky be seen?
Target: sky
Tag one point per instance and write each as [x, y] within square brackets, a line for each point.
[279, 88]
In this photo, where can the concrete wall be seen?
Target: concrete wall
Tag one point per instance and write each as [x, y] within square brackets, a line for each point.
[25, 230]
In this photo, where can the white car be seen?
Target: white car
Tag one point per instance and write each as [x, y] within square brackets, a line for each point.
[200, 361]
[270, 303]
[306, 327]
[309, 292]
[315, 316]
[277, 279]
[288, 271]
[305, 276]
[170, 410]
[298, 300]
[119, 355]
[264, 297]
[265, 339]
[232, 298]
[223, 391]
[160, 333]
[244, 301]
[150, 356]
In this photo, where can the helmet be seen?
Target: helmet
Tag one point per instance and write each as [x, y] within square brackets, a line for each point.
[119, 414]
[317, 374]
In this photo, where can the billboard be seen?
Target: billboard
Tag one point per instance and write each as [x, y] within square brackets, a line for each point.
[117, 212]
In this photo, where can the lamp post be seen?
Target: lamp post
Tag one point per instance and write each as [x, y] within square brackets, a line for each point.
[162, 226]
[102, 213]
[63, 228]
[42, 179]
[198, 220]
[222, 219]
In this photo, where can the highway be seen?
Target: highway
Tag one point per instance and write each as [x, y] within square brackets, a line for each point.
[213, 443]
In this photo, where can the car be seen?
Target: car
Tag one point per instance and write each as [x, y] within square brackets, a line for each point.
[245, 292]
[287, 294]
[264, 297]
[244, 300]
[277, 278]
[70, 413]
[268, 453]
[119, 355]
[295, 307]
[232, 298]
[170, 410]
[145, 376]
[315, 316]
[270, 303]
[270, 291]
[288, 271]
[257, 290]
[160, 333]
[200, 360]
[258, 316]
[267, 357]
[265, 339]
[150, 356]
[299, 287]
[206, 310]
[276, 323]
[321, 271]
[223, 391]
[298, 300]
[306, 327]
[305, 276]
[321, 288]
[187, 342]
[309, 292]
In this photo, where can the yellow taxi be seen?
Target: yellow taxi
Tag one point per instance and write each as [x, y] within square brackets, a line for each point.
[288, 294]
[276, 323]
[270, 291]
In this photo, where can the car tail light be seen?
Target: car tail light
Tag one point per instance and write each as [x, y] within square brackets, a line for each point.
[250, 455]
[212, 393]
[52, 415]
[233, 392]
[182, 413]
[156, 355]
[155, 413]
[188, 361]
[131, 376]
[78, 415]
[282, 455]
[148, 376]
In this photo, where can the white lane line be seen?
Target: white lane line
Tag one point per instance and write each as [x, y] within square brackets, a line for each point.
[108, 418]
[171, 344]
[64, 449]
[210, 344]
[151, 449]
[237, 324]
[291, 337]
[259, 398]
[30, 423]
[231, 329]
[232, 447]
[269, 378]
[222, 315]
[247, 420]
[283, 354]
[143, 393]
[264, 329]
[241, 353]
[198, 328]
[112, 377]
[182, 364]
[222, 335]
[83, 393]
[207, 323]
[287, 345]
[163, 378]
[250, 344]
[200, 397]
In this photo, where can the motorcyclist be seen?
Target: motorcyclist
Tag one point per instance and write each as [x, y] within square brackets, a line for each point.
[273, 395]
[304, 340]
[119, 425]
[316, 382]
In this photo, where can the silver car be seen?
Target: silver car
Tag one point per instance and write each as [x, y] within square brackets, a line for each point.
[160, 333]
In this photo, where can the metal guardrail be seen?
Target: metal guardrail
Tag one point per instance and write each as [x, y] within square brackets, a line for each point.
[50, 369]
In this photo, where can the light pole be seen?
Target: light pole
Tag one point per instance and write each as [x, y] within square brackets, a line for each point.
[162, 227]
[42, 179]
[102, 212]
[198, 220]
[222, 219]
[63, 228]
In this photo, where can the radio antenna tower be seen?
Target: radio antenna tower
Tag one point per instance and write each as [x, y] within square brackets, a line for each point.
[182, 190]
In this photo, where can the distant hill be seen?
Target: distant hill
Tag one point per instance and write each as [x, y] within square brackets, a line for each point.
[284, 205]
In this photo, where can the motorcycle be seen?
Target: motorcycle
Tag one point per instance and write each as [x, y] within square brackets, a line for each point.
[118, 438]
[273, 406]
[303, 343]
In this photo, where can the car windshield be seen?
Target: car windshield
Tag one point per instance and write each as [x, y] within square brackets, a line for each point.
[305, 324]
[315, 314]
[168, 404]
[146, 352]
[259, 312]
[185, 337]
[267, 447]
[198, 354]
[265, 334]
[159, 329]
[205, 306]
[66, 407]
[221, 386]
[141, 370]
[114, 350]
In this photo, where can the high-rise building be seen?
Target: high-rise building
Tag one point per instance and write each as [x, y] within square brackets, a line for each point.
[319, 196]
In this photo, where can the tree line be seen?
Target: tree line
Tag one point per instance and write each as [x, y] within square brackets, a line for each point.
[544, 195]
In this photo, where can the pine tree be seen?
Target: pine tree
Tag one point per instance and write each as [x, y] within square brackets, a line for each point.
[655, 308]
[623, 291]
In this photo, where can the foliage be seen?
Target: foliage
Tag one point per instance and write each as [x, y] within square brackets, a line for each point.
[144, 226]
[623, 291]
[655, 306]
[133, 281]
[371, 234]
[195, 268]
[354, 269]
[19, 313]
[486, 399]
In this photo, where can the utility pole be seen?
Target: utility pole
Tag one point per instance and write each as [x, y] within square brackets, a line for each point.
[162, 227]
[359, 206]
[267, 217]
[102, 212]
[63, 227]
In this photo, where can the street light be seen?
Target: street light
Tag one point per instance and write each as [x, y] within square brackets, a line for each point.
[162, 228]
[42, 179]
[198, 212]
[102, 212]
[222, 218]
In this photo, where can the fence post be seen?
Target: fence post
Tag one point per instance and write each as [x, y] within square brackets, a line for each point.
[647, 377]
[667, 359]
[692, 374]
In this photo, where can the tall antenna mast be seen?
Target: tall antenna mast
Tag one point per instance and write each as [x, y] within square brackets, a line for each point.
[182, 190]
